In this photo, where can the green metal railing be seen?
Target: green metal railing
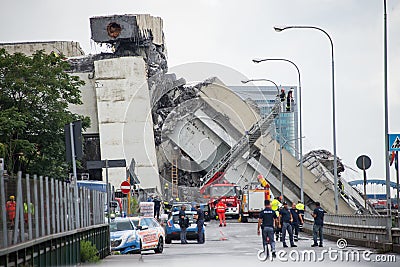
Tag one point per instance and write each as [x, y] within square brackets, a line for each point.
[51, 219]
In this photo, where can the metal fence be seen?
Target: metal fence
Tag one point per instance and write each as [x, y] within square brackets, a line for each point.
[46, 210]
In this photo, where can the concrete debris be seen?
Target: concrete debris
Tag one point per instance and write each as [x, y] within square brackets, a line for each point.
[142, 36]
[168, 94]
[326, 158]
[86, 63]
[127, 28]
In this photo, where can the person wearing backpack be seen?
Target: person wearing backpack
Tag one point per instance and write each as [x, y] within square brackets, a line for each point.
[183, 223]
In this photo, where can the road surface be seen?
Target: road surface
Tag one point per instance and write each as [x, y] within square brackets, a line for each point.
[238, 244]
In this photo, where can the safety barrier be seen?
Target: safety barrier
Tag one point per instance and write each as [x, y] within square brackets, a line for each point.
[59, 249]
[364, 230]
[47, 220]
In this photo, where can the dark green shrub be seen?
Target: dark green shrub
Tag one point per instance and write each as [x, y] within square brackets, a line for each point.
[89, 252]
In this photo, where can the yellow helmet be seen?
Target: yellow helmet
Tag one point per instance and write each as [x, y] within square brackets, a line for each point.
[12, 197]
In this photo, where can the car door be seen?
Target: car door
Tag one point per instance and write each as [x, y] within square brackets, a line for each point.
[149, 236]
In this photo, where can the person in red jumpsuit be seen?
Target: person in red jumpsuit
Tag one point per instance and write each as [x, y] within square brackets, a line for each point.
[220, 208]
[10, 208]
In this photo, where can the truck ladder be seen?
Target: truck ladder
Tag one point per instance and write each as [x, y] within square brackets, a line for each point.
[174, 178]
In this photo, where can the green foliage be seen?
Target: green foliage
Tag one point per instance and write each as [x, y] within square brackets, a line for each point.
[134, 206]
[34, 96]
[89, 252]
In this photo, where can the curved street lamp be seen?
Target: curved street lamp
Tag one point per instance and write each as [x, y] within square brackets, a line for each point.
[300, 119]
[282, 28]
[280, 129]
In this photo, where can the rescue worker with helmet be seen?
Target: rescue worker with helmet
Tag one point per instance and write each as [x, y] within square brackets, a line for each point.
[220, 209]
[11, 208]
[28, 209]
[300, 207]
[275, 206]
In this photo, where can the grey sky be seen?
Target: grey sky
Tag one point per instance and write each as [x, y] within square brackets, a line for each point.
[231, 33]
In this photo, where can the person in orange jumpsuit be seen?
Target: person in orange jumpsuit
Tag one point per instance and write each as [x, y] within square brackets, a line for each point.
[220, 208]
[10, 208]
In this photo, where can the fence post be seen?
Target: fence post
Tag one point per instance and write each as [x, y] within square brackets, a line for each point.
[53, 204]
[46, 179]
[3, 210]
[80, 206]
[36, 201]
[95, 200]
[87, 201]
[62, 207]
[66, 206]
[19, 218]
[42, 215]
[30, 208]
[70, 226]
[57, 207]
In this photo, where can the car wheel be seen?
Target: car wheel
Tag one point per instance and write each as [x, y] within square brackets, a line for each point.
[160, 246]
[167, 240]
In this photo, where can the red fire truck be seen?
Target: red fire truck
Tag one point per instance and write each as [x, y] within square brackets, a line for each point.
[219, 189]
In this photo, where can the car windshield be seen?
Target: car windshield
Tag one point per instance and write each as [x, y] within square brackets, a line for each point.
[176, 218]
[218, 191]
[121, 226]
[135, 222]
[179, 205]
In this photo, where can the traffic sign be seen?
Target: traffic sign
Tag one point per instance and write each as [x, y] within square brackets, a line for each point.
[125, 187]
[394, 142]
[363, 162]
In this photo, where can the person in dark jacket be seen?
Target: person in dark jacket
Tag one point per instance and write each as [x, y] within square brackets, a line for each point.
[266, 222]
[287, 219]
[297, 220]
[318, 215]
[183, 224]
[200, 224]
[157, 207]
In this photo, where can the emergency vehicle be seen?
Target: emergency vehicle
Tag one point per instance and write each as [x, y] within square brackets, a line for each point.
[219, 189]
[253, 199]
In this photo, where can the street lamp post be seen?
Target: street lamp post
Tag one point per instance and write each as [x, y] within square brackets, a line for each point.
[387, 170]
[280, 128]
[282, 28]
[300, 119]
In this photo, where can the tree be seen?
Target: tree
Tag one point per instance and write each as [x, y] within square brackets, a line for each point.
[34, 96]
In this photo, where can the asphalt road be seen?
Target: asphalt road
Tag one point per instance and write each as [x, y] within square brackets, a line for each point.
[238, 244]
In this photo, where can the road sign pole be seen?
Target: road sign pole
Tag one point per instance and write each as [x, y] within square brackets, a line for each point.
[108, 193]
[75, 178]
[365, 188]
[71, 131]
[128, 212]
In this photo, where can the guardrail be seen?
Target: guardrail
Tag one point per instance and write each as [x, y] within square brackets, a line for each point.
[47, 220]
[59, 249]
[364, 230]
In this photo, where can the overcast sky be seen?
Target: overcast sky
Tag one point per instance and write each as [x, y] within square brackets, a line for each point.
[231, 33]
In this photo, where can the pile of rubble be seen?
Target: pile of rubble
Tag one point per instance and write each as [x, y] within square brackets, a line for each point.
[326, 158]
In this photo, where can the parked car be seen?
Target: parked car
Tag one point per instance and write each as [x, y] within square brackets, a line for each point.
[124, 236]
[173, 230]
[152, 234]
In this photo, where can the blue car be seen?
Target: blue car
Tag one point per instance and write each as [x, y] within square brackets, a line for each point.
[124, 236]
[173, 230]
